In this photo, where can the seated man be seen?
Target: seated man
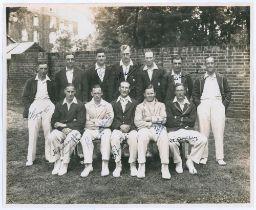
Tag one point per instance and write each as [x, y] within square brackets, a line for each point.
[68, 120]
[124, 128]
[181, 116]
[99, 117]
[150, 117]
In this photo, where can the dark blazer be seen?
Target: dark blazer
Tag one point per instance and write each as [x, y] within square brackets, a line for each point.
[29, 93]
[186, 80]
[74, 117]
[119, 77]
[91, 78]
[61, 82]
[223, 85]
[177, 119]
[159, 81]
[126, 117]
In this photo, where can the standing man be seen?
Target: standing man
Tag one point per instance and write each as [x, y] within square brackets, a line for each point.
[212, 95]
[99, 117]
[100, 74]
[181, 117]
[38, 97]
[124, 129]
[125, 70]
[68, 121]
[150, 118]
[69, 75]
[176, 76]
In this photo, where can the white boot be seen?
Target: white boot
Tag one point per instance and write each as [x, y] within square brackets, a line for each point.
[141, 170]
[179, 168]
[88, 168]
[63, 168]
[165, 171]
[56, 167]
[190, 166]
[118, 169]
[105, 170]
[133, 169]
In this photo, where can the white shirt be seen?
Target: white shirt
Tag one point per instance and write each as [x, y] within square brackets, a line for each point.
[176, 77]
[150, 71]
[182, 104]
[124, 101]
[69, 104]
[126, 68]
[69, 74]
[100, 71]
[42, 92]
[211, 88]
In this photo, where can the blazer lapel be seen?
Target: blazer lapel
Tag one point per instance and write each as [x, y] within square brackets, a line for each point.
[107, 73]
[128, 106]
[74, 76]
[34, 87]
[177, 106]
[64, 76]
[131, 71]
[186, 108]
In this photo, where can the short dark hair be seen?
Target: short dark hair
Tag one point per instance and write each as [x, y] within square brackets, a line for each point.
[100, 50]
[177, 57]
[96, 86]
[149, 87]
[42, 62]
[70, 85]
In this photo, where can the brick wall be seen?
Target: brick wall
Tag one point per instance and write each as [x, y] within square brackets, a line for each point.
[232, 61]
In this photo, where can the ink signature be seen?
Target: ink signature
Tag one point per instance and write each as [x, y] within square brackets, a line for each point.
[34, 114]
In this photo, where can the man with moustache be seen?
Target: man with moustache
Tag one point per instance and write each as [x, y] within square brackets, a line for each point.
[212, 96]
[150, 118]
[125, 70]
[151, 74]
[181, 117]
[69, 75]
[99, 117]
[68, 121]
[178, 76]
[100, 74]
[123, 128]
[38, 97]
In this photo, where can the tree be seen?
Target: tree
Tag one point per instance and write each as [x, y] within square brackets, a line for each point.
[148, 27]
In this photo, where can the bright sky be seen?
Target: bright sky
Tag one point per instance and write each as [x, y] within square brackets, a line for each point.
[80, 13]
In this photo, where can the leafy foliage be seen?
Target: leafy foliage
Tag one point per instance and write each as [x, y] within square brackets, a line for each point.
[147, 27]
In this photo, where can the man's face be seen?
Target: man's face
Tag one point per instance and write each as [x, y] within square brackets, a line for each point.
[209, 62]
[149, 58]
[177, 64]
[96, 94]
[70, 93]
[149, 95]
[70, 61]
[101, 58]
[124, 89]
[180, 92]
[126, 55]
[42, 70]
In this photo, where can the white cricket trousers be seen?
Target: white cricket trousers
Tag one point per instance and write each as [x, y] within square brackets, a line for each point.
[194, 138]
[117, 137]
[87, 143]
[157, 134]
[211, 114]
[62, 145]
[40, 113]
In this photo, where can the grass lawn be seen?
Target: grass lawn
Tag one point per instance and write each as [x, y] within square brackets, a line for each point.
[212, 184]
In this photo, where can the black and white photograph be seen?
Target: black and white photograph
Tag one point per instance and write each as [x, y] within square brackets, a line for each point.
[116, 104]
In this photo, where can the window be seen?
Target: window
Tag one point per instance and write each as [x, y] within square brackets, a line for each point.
[35, 21]
[35, 36]
[53, 22]
[24, 35]
[52, 37]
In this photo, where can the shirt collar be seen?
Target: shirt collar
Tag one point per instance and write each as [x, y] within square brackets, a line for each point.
[207, 75]
[102, 102]
[73, 101]
[154, 67]
[127, 97]
[98, 67]
[185, 100]
[130, 63]
[69, 70]
[173, 73]
[46, 78]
